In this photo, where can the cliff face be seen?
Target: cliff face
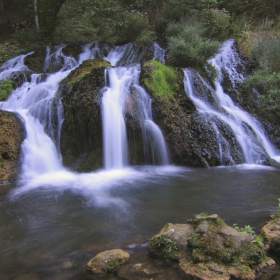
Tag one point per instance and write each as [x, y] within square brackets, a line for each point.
[11, 136]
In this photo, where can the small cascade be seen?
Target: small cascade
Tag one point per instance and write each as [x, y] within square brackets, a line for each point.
[123, 81]
[37, 103]
[217, 106]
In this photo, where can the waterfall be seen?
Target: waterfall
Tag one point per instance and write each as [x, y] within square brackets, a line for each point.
[38, 104]
[122, 82]
[247, 130]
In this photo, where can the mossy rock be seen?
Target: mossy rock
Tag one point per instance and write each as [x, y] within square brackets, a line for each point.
[274, 244]
[107, 262]
[6, 87]
[210, 249]
[85, 68]
[162, 80]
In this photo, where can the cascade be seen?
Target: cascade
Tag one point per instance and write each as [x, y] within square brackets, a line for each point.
[38, 104]
[248, 131]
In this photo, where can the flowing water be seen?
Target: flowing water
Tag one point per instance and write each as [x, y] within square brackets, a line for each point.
[54, 221]
[248, 131]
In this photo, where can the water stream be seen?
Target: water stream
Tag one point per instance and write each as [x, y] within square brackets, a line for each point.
[53, 221]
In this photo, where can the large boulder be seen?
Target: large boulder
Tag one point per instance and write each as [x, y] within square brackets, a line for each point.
[107, 262]
[271, 232]
[11, 136]
[206, 248]
[81, 133]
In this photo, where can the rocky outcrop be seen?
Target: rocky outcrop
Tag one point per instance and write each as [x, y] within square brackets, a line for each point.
[206, 248]
[271, 232]
[107, 262]
[11, 137]
[81, 133]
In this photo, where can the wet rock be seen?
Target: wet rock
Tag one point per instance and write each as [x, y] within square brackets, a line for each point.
[107, 262]
[11, 137]
[81, 133]
[35, 61]
[209, 249]
[29, 276]
[271, 232]
[137, 271]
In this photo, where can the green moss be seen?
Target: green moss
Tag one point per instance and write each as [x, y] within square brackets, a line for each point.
[112, 265]
[85, 68]
[162, 81]
[6, 86]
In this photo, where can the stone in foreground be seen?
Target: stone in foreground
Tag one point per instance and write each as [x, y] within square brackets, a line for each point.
[107, 262]
[206, 248]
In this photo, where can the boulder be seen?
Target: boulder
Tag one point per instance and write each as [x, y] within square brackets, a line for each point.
[81, 132]
[107, 262]
[207, 248]
[11, 136]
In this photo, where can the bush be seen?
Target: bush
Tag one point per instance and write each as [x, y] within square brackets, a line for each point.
[6, 86]
[188, 45]
[267, 54]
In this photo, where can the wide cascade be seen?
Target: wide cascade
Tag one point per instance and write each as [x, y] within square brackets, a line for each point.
[37, 103]
[248, 143]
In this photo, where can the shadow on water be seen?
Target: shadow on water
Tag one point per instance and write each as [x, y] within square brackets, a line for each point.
[52, 226]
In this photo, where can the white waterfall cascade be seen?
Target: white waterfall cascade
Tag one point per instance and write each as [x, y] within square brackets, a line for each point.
[33, 102]
[37, 104]
[121, 81]
[236, 118]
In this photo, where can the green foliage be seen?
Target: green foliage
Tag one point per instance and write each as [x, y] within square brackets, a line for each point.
[164, 246]
[188, 44]
[203, 214]
[6, 86]
[277, 214]
[162, 80]
[247, 229]
[258, 240]
[216, 23]
[9, 50]
[98, 20]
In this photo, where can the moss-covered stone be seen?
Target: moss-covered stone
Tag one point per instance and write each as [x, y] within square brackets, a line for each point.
[10, 141]
[6, 86]
[210, 250]
[81, 133]
[85, 68]
[162, 80]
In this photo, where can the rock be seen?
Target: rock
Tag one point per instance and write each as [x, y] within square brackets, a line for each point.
[137, 271]
[271, 232]
[206, 248]
[271, 229]
[11, 137]
[29, 276]
[81, 133]
[107, 262]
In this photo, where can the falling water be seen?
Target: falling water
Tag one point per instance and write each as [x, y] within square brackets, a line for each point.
[247, 130]
[37, 105]
[122, 81]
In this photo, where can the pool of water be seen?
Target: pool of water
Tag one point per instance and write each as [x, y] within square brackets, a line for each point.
[53, 225]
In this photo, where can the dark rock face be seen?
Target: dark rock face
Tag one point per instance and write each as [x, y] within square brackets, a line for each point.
[81, 134]
[11, 136]
[35, 61]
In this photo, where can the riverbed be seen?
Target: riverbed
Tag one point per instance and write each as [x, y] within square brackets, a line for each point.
[51, 226]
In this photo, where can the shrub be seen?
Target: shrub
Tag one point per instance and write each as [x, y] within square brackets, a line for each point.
[6, 86]
[188, 45]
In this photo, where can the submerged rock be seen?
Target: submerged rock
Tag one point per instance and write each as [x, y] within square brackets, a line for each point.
[107, 262]
[206, 248]
[11, 136]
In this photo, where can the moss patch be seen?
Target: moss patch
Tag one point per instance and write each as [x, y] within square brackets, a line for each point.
[85, 68]
[163, 79]
[6, 86]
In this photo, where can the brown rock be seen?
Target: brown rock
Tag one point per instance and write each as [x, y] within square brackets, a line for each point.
[271, 229]
[11, 136]
[108, 261]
